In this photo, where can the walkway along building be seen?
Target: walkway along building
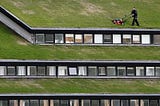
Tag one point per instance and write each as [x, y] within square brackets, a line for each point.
[80, 36]
[79, 69]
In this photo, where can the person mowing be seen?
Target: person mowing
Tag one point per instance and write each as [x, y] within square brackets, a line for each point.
[135, 16]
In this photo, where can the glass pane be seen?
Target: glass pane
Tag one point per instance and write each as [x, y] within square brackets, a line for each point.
[98, 38]
[34, 103]
[121, 71]
[95, 103]
[21, 70]
[139, 71]
[64, 103]
[111, 71]
[85, 103]
[72, 71]
[149, 71]
[54, 103]
[136, 39]
[101, 71]
[130, 71]
[144, 102]
[3, 103]
[51, 70]
[107, 38]
[40, 38]
[88, 38]
[92, 71]
[24, 102]
[134, 102]
[82, 70]
[59, 38]
[74, 102]
[11, 70]
[13, 103]
[157, 71]
[115, 102]
[69, 38]
[156, 39]
[126, 39]
[116, 38]
[78, 38]
[44, 103]
[49, 38]
[105, 103]
[32, 70]
[62, 70]
[41, 70]
[2, 70]
[124, 103]
[145, 39]
[153, 103]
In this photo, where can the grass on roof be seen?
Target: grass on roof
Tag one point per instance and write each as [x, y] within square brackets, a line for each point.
[14, 47]
[78, 86]
[83, 13]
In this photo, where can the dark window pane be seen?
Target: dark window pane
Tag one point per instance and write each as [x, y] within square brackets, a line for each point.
[95, 103]
[49, 38]
[115, 103]
[41, 70]
[64, 103]
[92, 71]
[32, 70]
[107, 38]
[40, 38]
[34, 103]
[111, 71]
[11, 70]
[130, 71]
[101, 71]
[121, 71]
[3, 103]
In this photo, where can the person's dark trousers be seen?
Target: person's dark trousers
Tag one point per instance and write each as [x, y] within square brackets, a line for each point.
[135, 21]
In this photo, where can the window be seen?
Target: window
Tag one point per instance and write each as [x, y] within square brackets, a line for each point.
[21, 70]
[157, 71]
[92, 71]
[49, 38]
[85, 103]
[44, 103]
[59, 38]
[24, 103]
[156, 39]
[51, 70]
[41, 71]
[13, 102]
[74, 102]
[111, 71]
[101, 71]
[115, 102]
[124, 103]
[153, 103]
[69, 38]
[116, 38]
[62, 70]
[105, 103]
[3, 103]
[136, 39]
[78, 38]
[72, 71]
[32, 70]
[126, 39]
[82, 70]
[121, 71]
[54, 103]
[88, 38]
[11, 70]
[130, 71]
[145, 39]
[64, 103]
[98, 38]
[2, 70]
[95, 103]
[34, 103]
[139, 71]
[144, 103]
[107, 38]
[134, 102]
[40, 38]
[149, 71]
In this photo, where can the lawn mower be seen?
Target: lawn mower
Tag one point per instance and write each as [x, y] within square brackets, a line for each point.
[121, 21]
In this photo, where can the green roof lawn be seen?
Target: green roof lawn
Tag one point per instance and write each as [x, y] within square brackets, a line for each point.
[83, 13]
[78, 86]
